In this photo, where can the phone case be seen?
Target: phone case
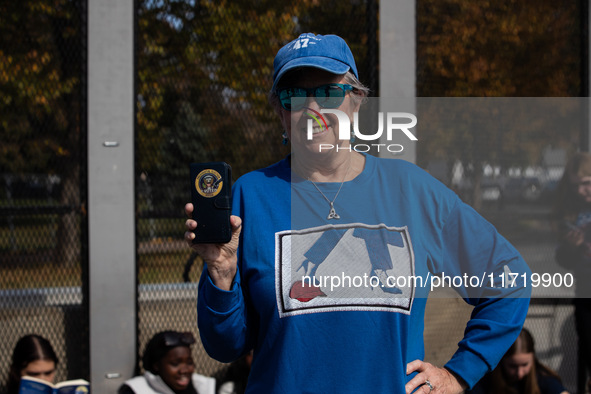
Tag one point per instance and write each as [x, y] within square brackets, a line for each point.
[212, 201]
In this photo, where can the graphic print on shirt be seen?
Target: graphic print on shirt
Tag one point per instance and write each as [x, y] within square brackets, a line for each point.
[348, 267]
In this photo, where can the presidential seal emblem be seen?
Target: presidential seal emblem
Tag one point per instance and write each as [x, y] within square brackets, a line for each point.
[209, 183]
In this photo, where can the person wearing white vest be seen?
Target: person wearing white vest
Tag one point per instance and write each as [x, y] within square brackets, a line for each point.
[169, 368]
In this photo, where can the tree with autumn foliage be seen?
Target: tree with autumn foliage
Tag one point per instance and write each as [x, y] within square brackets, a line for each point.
[204, 73]
[504, 48]
[40, 102]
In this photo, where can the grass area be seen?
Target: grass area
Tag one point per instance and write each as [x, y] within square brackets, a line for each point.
[34, 235]
[152, 268]
[167, 267]
[518, 225]
[39, 275]
[28, 233]
[28, 243]
[28, 202]
[160, 228]
[27, 247]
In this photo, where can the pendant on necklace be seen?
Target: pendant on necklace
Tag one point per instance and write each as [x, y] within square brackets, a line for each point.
[332, 214]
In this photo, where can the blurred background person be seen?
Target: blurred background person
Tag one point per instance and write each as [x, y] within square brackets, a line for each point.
[572, 222]
[520, 372]
[33, 356]
[169, 368]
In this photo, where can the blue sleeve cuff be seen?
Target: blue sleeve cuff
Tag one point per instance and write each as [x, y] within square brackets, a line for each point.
[468, 366]
[218, 300]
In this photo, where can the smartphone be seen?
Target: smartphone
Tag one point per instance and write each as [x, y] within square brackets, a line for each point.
[211, 187]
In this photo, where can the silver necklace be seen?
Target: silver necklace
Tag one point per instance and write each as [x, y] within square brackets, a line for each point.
[332, 214]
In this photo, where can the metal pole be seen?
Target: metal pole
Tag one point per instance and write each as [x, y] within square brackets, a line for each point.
[397, 59]
[111, 206]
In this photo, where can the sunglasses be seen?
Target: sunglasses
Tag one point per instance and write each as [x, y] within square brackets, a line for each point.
[327, 96]
[174, 339]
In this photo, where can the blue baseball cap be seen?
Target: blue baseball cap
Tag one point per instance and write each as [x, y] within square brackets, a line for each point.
[329, 52]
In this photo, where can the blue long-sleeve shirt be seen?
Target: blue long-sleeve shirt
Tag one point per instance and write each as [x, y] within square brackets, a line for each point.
[396, 221]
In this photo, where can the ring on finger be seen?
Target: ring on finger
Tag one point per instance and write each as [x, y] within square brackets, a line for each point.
[429, 385]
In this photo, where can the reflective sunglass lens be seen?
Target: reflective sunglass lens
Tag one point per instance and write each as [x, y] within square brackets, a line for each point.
[327, 96]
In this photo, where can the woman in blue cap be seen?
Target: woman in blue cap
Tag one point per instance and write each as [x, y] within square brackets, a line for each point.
[333, 252]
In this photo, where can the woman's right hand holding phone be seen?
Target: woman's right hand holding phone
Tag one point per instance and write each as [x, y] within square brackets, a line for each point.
[221, 259]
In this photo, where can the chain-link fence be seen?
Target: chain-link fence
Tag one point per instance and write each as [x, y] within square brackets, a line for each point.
[509, 49]
[203, 71]
[43, 260]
